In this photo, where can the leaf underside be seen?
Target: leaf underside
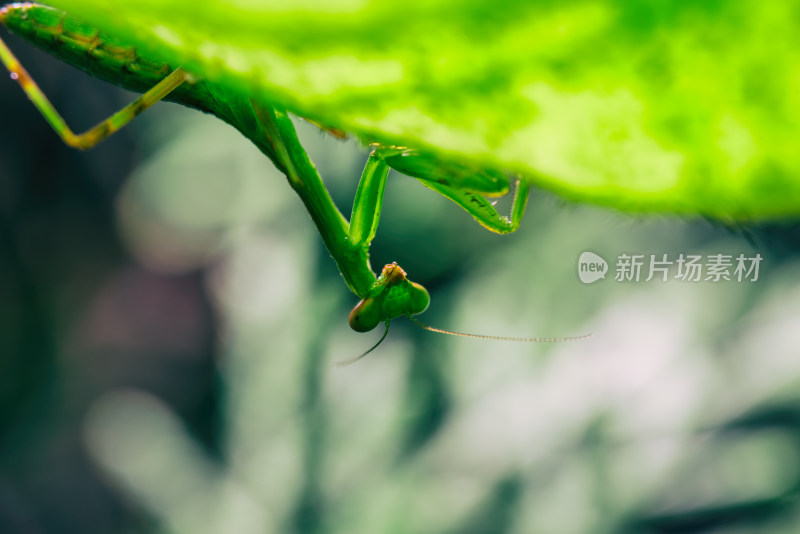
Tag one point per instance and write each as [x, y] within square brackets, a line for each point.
[685, 107]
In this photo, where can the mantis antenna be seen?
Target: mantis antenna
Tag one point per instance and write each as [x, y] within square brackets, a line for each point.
[375, 346]
[345, 363]
[496, 338]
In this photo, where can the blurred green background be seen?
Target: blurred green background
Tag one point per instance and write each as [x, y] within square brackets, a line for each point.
[170, 321]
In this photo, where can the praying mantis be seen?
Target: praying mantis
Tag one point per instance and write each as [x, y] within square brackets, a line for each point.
[383, 298]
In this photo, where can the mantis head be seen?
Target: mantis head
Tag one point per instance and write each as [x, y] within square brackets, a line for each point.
[392, 295]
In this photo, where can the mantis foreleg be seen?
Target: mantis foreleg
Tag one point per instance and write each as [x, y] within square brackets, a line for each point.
[465, 184]
[483, 211]
[368, 201]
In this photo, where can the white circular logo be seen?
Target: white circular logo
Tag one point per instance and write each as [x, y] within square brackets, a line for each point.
[591, 268]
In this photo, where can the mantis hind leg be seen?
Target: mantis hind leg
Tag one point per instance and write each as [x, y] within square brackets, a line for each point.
[102, 130]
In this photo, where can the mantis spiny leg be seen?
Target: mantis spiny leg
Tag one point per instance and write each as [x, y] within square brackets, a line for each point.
[465, 184]
[483, 211]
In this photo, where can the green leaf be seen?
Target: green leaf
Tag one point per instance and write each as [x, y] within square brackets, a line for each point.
[661, 105]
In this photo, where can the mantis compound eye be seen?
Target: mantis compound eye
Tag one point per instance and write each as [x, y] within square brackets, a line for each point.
[365, 315]
[418, 299]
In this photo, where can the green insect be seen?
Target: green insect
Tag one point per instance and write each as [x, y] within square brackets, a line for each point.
[383, 298]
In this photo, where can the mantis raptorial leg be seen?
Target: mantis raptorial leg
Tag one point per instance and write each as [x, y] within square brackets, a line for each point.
[466, 185]
[368, 201]
[483, 211]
